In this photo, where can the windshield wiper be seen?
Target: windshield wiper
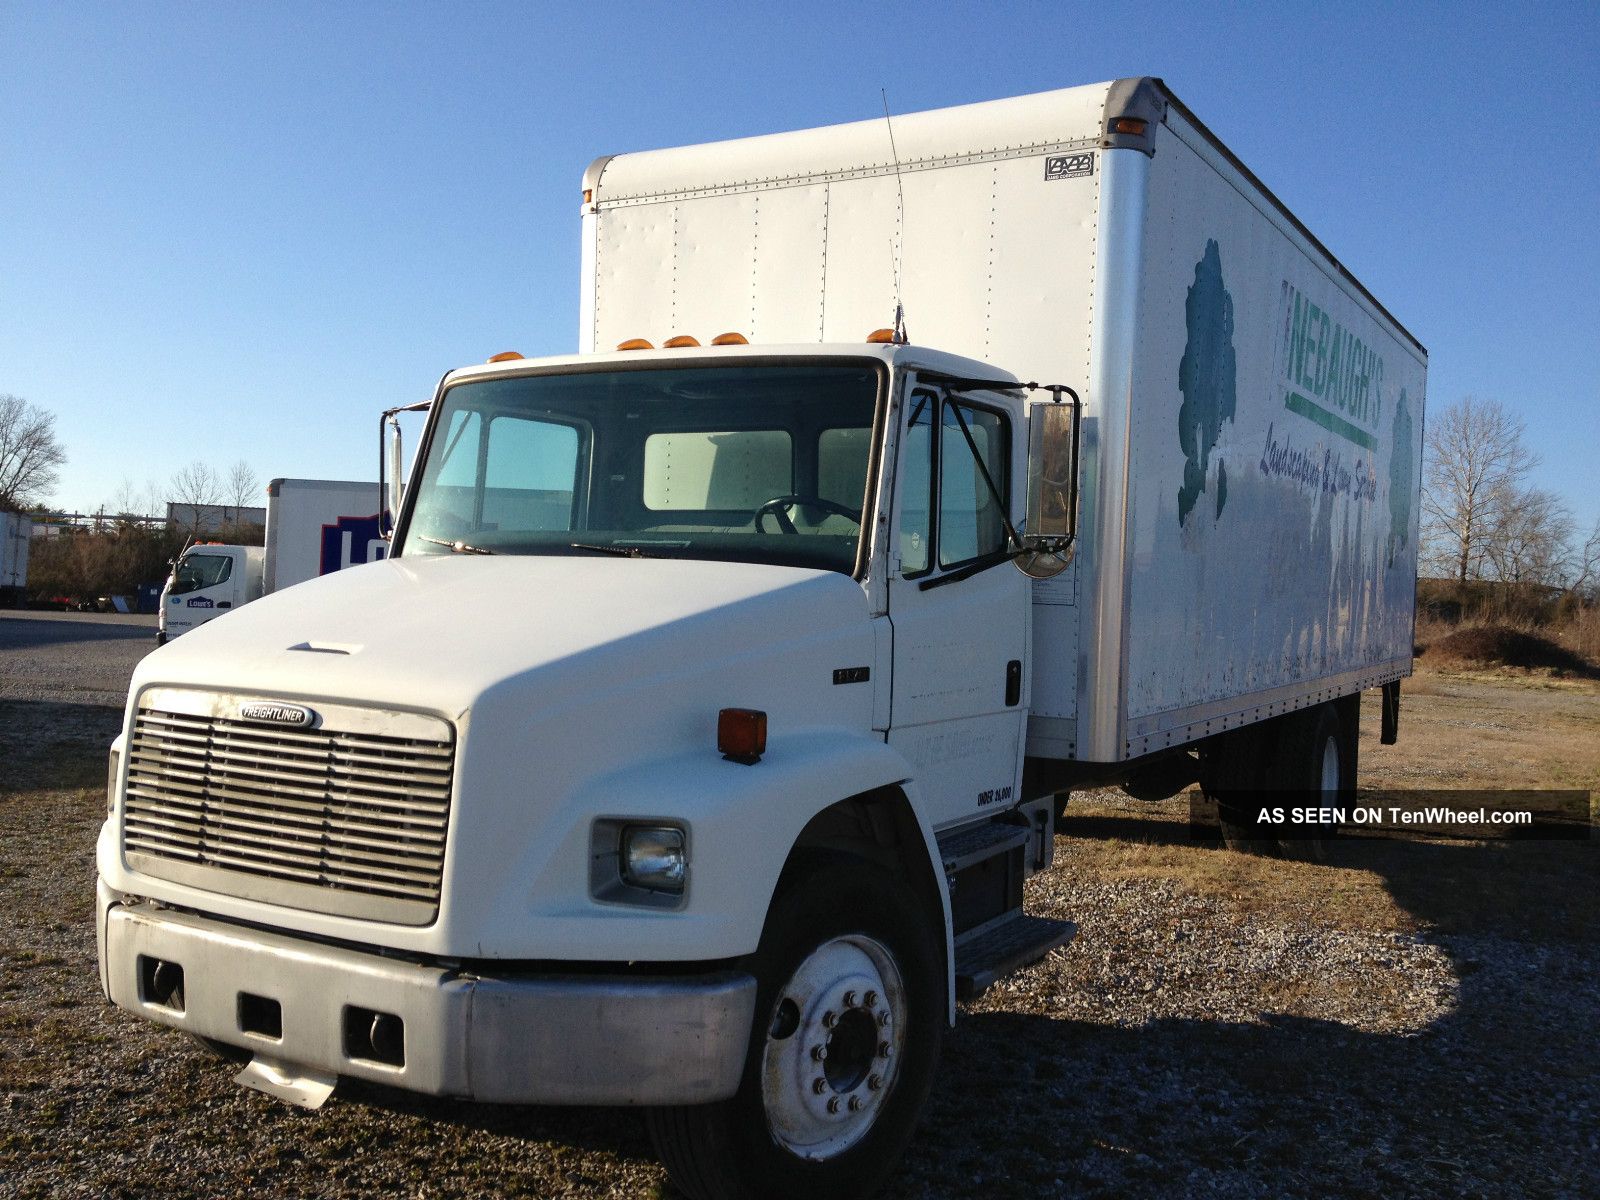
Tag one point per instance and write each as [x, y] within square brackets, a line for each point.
[456, 547]
[623, 551]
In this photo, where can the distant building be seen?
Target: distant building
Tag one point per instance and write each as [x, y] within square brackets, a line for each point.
[212, 518]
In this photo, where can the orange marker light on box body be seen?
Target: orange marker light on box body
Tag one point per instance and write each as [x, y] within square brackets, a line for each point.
[742, 734]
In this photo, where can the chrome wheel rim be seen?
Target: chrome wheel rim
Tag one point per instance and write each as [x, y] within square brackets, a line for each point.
[1330, 769]
[833, 1047]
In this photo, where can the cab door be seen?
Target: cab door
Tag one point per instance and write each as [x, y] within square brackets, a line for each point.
[960, 612]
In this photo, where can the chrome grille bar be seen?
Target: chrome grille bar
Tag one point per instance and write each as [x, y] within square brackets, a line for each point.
[335, 820]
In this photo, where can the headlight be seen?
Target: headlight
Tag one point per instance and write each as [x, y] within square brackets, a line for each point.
[653, 857]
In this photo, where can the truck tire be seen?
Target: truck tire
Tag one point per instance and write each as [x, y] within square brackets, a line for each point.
[1233, 775]
[1316, 766]
[1305, 758]
[850, 1012]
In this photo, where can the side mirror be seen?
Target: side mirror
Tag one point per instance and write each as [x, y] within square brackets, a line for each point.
[393, 462]
[1051, 532]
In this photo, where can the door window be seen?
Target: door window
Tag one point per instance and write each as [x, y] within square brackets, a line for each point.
[970, 524]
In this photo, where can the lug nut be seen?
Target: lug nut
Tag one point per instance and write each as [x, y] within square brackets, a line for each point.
[875, 1082]
[833, 1104]
[855, 1103]
[830, 1019]
[820, 1053]
[884, 1049]
[849, 999]
[820, 1085]
[870, 1000]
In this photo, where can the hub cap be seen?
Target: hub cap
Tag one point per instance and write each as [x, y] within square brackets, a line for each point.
[833, 1047]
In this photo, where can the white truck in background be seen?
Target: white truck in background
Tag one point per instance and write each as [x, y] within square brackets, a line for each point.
[16, 530]
[717, 787]
[314, 527]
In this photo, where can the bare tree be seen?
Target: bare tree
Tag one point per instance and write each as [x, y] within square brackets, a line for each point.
[29, 453]
[1531, 541]
[1474, 471]
[196, 484]
[1586, 565]
[243, 487]
[195, 488]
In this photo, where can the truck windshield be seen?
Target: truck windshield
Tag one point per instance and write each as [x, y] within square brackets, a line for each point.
[745, 462]
[196, 571]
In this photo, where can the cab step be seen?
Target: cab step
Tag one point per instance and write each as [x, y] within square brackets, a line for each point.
[1003, 946]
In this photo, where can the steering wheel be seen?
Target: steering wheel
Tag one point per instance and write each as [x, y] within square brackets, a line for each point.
[777, 504]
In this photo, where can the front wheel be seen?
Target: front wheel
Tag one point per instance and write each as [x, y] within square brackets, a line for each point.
[850, 1012]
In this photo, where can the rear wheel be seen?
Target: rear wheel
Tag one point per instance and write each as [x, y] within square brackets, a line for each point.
[1306, 759]
[850, 1012]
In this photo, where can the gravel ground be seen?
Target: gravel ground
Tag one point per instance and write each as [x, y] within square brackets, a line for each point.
[84, 657]
[1405, 1020]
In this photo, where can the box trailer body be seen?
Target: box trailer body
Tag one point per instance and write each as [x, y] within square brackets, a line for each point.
[317, 526]
[692, 745]
[314, 527]
[1252, 431]
[16, 530]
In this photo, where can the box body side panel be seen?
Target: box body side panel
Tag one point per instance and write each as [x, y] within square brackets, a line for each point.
[1275, 442]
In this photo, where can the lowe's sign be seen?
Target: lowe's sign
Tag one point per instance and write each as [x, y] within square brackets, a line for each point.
[350, 541]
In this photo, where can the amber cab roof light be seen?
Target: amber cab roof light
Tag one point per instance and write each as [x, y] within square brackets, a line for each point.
[730, 339]
[505, 356]
[635, 344]
[680, 342]
[881, 337]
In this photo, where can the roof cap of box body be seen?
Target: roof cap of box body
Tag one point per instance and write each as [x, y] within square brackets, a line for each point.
[1121, 114]
[1018, 125]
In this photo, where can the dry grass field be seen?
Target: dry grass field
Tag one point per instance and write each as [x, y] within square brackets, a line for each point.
[1403, 1019]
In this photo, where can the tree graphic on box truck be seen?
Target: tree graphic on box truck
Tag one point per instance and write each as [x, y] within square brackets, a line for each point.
[1208, 379]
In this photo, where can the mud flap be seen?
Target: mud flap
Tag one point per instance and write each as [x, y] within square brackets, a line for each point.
[1390, 733]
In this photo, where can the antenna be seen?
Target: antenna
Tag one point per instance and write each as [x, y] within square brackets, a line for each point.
[900, 226]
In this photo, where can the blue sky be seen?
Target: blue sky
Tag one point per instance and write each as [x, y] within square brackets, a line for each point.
[239, 231]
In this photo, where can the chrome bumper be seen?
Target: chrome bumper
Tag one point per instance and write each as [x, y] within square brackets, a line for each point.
[524, 1039]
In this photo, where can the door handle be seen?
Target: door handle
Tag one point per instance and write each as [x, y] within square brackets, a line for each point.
[1013, 682]
[224, 603]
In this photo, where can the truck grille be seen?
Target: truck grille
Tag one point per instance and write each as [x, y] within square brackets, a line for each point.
[346, 822]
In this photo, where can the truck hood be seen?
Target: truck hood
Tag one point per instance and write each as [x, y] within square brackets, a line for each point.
[438, 632]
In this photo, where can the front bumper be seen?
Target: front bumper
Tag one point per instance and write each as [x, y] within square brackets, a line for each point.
[517, 1039]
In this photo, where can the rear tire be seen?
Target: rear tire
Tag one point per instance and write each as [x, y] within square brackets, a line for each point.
[848, 965]
[1316, 765]
[1302, 759]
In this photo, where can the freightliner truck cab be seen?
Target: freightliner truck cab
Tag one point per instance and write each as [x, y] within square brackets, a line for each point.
[674, 758]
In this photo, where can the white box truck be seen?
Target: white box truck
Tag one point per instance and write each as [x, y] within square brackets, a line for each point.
[714, 791]
[16, 531]
[314, 527]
